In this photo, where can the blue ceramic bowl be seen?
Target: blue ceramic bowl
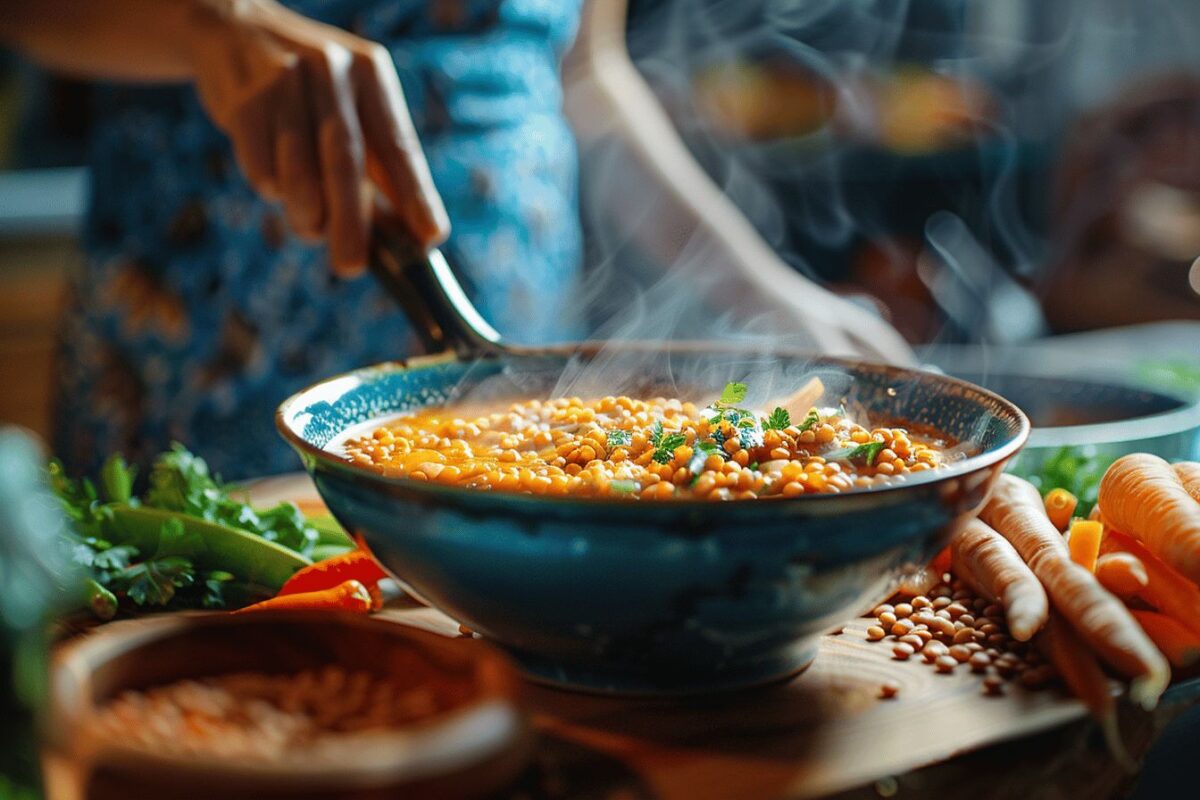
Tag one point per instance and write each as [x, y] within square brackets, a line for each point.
[650, 597]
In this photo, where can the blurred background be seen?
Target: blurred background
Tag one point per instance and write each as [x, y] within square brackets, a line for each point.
[989, 173]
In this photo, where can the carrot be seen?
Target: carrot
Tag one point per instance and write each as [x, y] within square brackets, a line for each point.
[1060, 507]
[1142, 496]
[985, 560]
[922, 580]
[1166, 590]
[348, 596]
[1180, 645]
[1084, 543]
[1017, 513]
[356, 565]
[1123, 574]
[1188, 473]
[1060, 644]
[941, 562]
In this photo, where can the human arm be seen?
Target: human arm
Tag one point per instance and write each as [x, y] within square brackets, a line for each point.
[691, 213]
[313, 112]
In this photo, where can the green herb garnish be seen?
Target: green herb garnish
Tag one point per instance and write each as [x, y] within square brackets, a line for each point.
[665, 451]
[656, 433]
[812, 420]
[778, 419]
[619, 438]
[864, 452]
[732, 394]
[1076, 469]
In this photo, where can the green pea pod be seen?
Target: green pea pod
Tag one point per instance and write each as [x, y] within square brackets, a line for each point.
[100, 601]
[329, 532]
[323, 552]
[209, 545]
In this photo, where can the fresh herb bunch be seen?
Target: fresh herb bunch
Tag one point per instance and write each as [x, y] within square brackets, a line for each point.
[1076, 469]
[166, 577]
[180, 481]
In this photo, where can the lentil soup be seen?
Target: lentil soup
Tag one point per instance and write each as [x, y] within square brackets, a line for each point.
[654, 449]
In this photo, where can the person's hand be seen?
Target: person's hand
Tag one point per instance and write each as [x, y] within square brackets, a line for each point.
[833, 325]
[314, 113]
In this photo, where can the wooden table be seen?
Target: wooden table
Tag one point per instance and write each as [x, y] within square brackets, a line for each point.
[825, 732]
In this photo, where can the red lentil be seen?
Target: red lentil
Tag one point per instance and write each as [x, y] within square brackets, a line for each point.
[640, 449]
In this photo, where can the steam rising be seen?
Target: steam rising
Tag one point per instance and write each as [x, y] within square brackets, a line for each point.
[994, 82]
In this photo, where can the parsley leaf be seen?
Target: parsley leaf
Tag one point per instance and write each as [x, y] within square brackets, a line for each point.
[665, 450]
[778, 419]
[180, 481]
[213, 592]
[656, 433]
[115, 558]
[733, 393]
[619, 438]
[154, 582]
[865, 452]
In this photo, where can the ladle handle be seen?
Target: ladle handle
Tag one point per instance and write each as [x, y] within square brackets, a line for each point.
[425, 287]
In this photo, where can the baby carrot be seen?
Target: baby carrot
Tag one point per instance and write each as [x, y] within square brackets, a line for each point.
[1123, 574]
[941, 562]
[985, 559]
[356, 565]
[1017, 513]
[1060, 644]
[1142, 496]
[1084, 543]
[348, 596]
[1188, 473]
[1060, 507]
[1165, 590]
[1177, 643]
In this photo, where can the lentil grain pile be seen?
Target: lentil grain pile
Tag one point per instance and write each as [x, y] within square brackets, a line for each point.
[646, 449]
[952, 628]
[257, 716]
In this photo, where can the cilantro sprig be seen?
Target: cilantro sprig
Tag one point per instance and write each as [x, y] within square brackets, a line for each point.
[619, 438]
[665, 450]
[732, 394]
[778, 419]
[164, 574]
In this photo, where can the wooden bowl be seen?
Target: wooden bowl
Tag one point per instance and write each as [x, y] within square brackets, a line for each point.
[468, 750]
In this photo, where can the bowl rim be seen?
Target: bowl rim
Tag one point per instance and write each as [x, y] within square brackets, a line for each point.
[459, 738]
[314, 457]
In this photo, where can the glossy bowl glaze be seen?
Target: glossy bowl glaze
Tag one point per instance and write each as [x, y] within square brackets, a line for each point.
[650, 597]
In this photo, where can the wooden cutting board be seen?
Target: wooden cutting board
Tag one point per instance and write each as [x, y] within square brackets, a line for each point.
[825, 731]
